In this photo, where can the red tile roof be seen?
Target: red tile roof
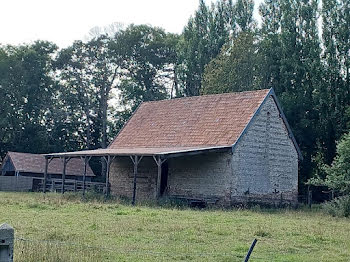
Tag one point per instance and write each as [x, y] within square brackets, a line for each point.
[35, 163]
[201, 121]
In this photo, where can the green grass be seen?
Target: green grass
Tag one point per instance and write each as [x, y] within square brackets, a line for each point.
[63, 228]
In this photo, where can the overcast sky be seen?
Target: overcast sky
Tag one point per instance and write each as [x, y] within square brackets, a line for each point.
[63, 21]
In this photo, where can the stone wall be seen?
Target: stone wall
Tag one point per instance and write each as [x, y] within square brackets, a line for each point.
[121, 178]
[265, 161]
[201, 176]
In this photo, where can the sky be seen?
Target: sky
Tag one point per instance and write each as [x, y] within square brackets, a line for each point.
[63, 21]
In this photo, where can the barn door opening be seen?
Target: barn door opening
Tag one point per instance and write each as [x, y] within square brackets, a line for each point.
[164, 177]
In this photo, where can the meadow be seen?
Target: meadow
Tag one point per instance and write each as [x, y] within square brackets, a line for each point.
[52, 227]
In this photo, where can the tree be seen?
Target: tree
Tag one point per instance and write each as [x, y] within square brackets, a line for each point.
[235, 69]
[338, 173]
[243, 12]
[333, 95]
[204, 36]
[89, 72]
[28, 92]
[290, 47]
[149, 60]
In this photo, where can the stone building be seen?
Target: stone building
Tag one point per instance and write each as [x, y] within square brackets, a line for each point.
[224, 148]
[227, 147]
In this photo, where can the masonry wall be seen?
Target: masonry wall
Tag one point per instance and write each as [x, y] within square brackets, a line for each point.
[265, 161]
[201, 176]
[198, 176]
[121, 178]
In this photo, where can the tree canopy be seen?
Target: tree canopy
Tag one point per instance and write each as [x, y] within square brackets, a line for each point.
[80, 96]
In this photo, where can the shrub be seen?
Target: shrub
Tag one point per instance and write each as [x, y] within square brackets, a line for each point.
[339, 207]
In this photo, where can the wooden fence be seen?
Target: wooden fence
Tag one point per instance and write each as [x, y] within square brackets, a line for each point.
[16, 183]
[70, 185]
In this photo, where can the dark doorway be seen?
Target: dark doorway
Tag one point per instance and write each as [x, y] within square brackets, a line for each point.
[164, 178]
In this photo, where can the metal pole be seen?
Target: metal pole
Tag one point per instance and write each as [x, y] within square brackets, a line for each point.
[45, 174]
[250, 250]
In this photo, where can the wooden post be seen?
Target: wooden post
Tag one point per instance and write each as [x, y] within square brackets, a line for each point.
[309, 196]
[135, 175]
[281, 200]
[84, 175]
[108, 162]
[64, 173]
[136, 160]
[159, 176]
[45, 174]
[7, 236]
[159, 163]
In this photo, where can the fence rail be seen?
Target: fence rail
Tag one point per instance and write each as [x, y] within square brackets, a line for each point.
[70, 185]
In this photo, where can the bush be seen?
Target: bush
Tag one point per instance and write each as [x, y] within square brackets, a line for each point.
[339, 207]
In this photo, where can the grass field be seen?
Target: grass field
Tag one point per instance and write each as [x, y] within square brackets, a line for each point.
[52, 227]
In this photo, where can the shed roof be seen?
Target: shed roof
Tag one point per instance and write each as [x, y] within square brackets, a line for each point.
[144, 151]
[35, 163]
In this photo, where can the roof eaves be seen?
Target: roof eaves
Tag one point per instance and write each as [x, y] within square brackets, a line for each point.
[195, 150]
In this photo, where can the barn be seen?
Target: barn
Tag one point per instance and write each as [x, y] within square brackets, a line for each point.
[224, 148]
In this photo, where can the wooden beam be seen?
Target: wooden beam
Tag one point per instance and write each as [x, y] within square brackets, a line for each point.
[45, 174]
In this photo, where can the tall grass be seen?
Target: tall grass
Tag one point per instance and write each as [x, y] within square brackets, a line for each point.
[67, 228]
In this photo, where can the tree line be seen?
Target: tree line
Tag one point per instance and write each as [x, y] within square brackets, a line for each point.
[78, 97]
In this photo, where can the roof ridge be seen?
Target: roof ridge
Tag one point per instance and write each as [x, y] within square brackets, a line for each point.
[208, 95]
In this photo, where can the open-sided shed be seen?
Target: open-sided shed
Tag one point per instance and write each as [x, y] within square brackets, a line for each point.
[33, 165]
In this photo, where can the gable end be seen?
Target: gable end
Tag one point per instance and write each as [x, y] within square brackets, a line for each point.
[272, 94]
